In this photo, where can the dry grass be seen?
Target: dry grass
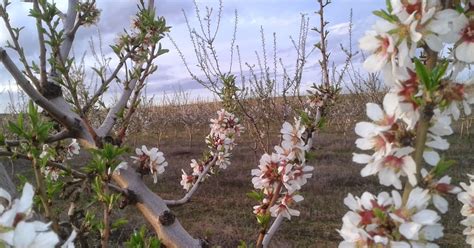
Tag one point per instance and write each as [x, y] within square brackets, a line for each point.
[221, 213]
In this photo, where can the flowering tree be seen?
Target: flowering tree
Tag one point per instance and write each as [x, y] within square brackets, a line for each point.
[50, 85]
[422, 48]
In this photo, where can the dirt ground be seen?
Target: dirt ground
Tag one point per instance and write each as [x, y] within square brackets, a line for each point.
[221, 213]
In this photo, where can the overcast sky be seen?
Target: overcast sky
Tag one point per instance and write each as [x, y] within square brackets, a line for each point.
[279, 16]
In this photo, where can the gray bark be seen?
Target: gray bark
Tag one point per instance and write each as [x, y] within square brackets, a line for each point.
[5, 181]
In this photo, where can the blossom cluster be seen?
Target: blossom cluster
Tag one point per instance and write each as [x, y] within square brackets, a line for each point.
[149, 162]
[467, 198]
[281, 174]
[49, 154]
[384, 221]
[220, 141]
[16, 230]
[432, 93]
[393, 43]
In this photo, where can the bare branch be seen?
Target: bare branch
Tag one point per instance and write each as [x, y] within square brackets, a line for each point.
[42, 57]
[112, 115]
[70, 31]
[272, 230]
[68, 119]
[190, 193]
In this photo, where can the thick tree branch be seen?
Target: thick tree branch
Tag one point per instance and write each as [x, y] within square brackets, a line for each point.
[5, 180]
[114, 111]
[57, 107]
[155, 211]
[70, 31]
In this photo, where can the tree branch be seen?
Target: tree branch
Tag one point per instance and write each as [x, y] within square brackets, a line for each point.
[70, 31]
[155, 211]
[190, 193]
[112, 115]
[58, 109]
[272, 230]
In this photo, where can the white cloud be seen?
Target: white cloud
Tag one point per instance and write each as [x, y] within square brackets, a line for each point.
[339, 29]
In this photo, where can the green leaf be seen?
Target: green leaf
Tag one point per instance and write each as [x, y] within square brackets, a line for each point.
[389, 6]
[15, 129]
[310, 155]
[442, 166]
[242, 244]
[384, 15]
[264, 219]
[258, 196]
[2, 139]
[423, 74]
[379, 214]
[33, 114]
[439, 71]
[119, 223]
[162, 51]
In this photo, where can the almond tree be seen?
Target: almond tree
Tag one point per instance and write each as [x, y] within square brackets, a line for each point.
[406, 135]
[48, 83]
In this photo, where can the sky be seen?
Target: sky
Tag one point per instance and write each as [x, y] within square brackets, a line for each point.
[274, 16]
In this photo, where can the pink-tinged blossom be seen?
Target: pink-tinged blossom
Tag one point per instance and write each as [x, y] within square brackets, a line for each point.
[438, 189]
[283, 206]
[382, 48]
[73, 149]
[389, 168]
[417, 222]
[292, 139]
[226, 123]
[456, 94]
[268, 171]
[464, 51]
[16, 231]
[198, 167]
[297, 177]
[467, 199]
[187, 181]
[223, 160]
[150, 161]
[220, 141]
[51, 172]
[374, 135]
[384, 221]
[405, 90]
[284, 172]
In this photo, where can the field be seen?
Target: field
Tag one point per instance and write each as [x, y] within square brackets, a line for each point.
[221, 213]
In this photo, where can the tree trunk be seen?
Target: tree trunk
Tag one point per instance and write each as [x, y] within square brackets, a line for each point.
[5, 180]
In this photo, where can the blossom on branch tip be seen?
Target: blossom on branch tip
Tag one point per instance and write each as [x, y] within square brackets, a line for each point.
[187, 181]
